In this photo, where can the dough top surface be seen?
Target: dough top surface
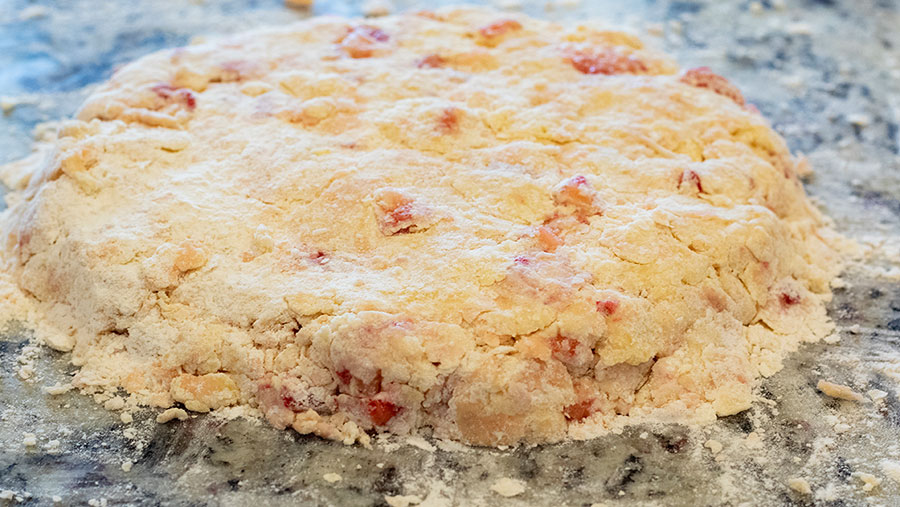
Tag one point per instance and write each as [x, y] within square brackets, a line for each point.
[493, 226]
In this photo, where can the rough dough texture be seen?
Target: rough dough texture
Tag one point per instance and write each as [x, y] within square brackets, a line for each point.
[497, 227]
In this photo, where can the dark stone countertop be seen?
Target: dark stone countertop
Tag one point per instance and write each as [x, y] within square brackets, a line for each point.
[826, 72]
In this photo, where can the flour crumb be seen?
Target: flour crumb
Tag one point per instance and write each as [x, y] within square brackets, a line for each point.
[126, 418]
[332, 477]
[170, 414]
[56, 499]
[832, 339]
[508, 487]
[891, 468]
[800, 485]
[29, 439]
[402, 501]
[876, 394]
[870, 482]
[57, 389]
[421, 443]
[714, 446]
[838, 391]
[7, 494]
[114, 403]
[126, 466]
[753, 441]
[52, 447]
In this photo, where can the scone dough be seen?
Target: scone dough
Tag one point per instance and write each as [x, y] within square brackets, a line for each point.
[495, 227]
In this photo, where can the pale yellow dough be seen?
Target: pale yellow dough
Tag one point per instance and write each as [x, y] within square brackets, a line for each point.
[495, 227]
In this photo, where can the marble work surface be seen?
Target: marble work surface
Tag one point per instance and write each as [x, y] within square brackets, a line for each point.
[827, 72]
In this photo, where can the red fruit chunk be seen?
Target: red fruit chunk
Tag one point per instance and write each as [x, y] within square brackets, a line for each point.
[578, 411]
[690, 179]
[431, 62]
[703, 77]
[345, 376]
[789, 298]
[291, 403]
[607, 307]
[448, 121]
[361, 41]
[563, 346]
[500, 27]
[176, 95]
[548, 240]
[606, 61]
[381, 411]
[575, 191]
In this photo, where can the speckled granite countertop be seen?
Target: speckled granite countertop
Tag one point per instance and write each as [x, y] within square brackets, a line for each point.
[827, 72]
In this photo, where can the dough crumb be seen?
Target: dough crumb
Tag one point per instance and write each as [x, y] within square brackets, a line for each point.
[115, 403]
[714, 446]
[800, 485]
[876, 394]
[126, 466]
[838, 391]
[870, 481]
[332, 477]
[57, 389]
[172, 413]
[7, 494]
[126, 418]
[508, 487]
[29, 439]
[753, 441]
[402, 500]
[891, 468]
[56, 499]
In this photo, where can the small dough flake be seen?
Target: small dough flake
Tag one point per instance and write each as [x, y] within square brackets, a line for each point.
[171, 414]
[800, 485]
[838, 391]
[332, 477]
[508, 487]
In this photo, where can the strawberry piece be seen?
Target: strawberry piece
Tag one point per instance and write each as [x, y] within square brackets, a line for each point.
[578, 411]
[522, 260]
[381, 411]
[789, 298]
[362, 41]
[345, 376]
[182, 96]
[289, 402]
[704, 77]
[690, 179]
[563, 346]
[500, 27]
[448, 121]
[432, 61]
[606, 61]
[548, 240]
[576, 191]
[607, 307]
